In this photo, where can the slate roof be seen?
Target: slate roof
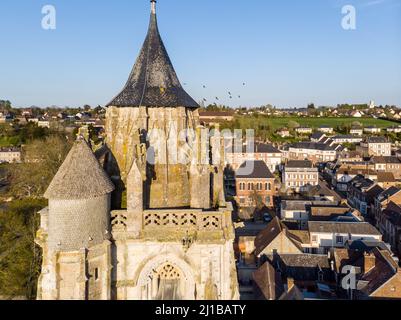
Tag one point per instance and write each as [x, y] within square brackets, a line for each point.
[365, 245]
[377, 140]
[385, 177]
[385, 268]
[302, 267]
[382, 159]
[351, 137]
[80, 176]
[269, 282]
[258, 148]
[363, 228]
[355, 171]
[388, 193]
[317, 136]
[274, 229]
[254, 170]
[360, 182]
[265, 148]
[344, 256]
[300, 236]
[314, 146]
[9, 149]
[153, 81]
[393, 214]
[267, 235]
[299, 164]
[327, 212]
[295, 204]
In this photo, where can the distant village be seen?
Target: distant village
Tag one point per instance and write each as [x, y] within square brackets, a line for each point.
[311, 211]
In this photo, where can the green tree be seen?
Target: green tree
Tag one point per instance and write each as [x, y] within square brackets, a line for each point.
[20, 258]
[293, 124]
[42, 161]
[5, 105]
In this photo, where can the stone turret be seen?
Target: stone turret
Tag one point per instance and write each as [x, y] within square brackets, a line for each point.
[75, 230]
[79, 201]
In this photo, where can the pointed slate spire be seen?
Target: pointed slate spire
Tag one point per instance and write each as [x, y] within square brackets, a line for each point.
[153, 81]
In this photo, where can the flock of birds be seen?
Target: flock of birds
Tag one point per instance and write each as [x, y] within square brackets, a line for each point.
[230, 95]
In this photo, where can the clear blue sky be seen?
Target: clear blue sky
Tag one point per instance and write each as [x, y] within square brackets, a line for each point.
[288, 52]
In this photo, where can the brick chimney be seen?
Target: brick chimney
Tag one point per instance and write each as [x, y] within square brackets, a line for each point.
[369, 262]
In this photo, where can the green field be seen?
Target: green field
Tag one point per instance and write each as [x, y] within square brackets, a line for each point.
[277, 123]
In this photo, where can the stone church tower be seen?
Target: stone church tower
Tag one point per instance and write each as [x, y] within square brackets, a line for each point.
[136, 221]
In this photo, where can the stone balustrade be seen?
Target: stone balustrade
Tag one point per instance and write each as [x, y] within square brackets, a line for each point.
[178, 219]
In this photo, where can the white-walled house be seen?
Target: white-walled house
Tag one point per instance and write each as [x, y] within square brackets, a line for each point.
[327, 235]
[347, 139]
[356, 131]
[295, 211]
[298, 174]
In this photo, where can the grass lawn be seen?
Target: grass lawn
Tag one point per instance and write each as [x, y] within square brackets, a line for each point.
[277, 123]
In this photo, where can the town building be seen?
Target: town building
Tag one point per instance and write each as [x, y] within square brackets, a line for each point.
[325, 235]
[389, 224]
[284, 133]
[350, 157]
[213, 117]
[6, 118]
[294, 277]
[394, 129]
[356, 131]
[390, 164]
[276, 238]
[378, 275]
[267, 153]
[10, 155]
[326, 129]
[255, 183]
[372, 130]
[313, 151]
[386, 180]
[345, 173]
[375, 146]
[44, 124]
[318, 136]
[362, 193]
[357, 114]
[347, 139]
[386, 215]
[297, 213]
[298, 174]
[304, 130]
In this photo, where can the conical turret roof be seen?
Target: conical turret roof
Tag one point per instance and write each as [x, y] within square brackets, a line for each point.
[80, 176]
[153, 81]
